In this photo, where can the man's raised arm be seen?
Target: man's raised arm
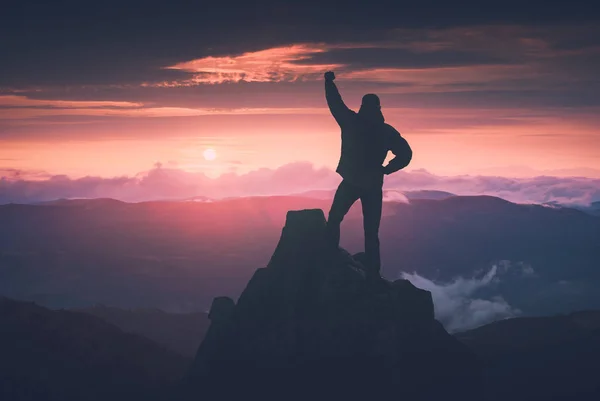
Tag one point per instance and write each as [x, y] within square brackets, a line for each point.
[338, 109]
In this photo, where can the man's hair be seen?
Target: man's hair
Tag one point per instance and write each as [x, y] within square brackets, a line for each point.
[370, 99]
[370, 109]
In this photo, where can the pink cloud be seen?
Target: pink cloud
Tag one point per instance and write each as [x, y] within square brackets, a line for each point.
[268, 65]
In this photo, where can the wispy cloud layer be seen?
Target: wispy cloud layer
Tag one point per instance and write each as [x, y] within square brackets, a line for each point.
[268, 65]
[171, 183]
[541, 189]
[492, 64]
[140, 112]
[16, 101]
[486, 56]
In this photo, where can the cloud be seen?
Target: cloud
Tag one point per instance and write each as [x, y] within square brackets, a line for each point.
[15, 175]
[541, 189]
[395, 196]
[150, 112]
[20, 107]
[176, 183]
[14, 101]
[456, 303]
[165, 183]
[269, 65]
[375, 61]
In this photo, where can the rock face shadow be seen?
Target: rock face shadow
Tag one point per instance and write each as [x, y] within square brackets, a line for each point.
[310, 325]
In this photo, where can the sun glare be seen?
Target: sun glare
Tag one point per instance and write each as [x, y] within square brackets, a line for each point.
[210, 154]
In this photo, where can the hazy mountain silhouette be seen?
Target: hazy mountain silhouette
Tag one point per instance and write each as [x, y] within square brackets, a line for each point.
[312, 324]
[61, 355]
[180, 255]
[83, 203]
[540, 358]
[180, 332]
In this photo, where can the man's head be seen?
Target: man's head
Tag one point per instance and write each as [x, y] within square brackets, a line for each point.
[370, 109]
[371, 100]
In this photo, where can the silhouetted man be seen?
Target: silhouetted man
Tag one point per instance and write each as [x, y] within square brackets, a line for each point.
[366, 140]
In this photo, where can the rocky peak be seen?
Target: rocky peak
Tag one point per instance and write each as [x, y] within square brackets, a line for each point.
[310, 321]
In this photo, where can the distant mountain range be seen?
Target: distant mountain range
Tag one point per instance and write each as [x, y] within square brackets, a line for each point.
[389, 194]
[177, 256]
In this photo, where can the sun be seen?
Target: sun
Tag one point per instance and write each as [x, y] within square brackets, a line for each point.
[209, 154]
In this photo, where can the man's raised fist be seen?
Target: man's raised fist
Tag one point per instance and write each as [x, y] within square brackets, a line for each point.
[329, 76]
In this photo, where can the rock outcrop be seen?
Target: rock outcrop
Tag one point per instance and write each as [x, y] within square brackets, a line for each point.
[311, 326]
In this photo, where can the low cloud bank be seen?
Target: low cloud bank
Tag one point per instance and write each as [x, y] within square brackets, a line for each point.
[170, 183]
[456, 304]
[543, 189]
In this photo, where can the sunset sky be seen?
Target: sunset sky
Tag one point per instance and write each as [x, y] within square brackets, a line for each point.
[111, 89]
